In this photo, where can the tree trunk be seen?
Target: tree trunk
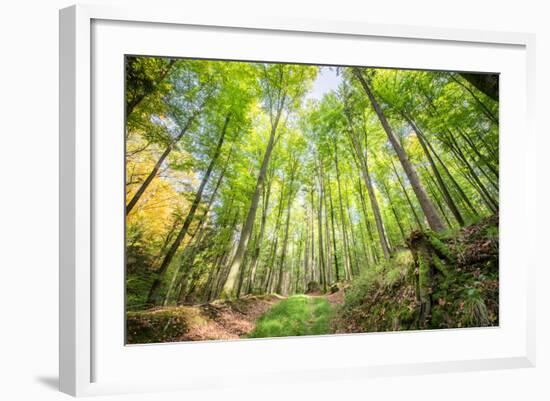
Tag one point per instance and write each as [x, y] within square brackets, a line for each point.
[313, 265]
[407, 197]
[347, 264]
[190, 215]
[273, 251]
[394, 211]
[444, 190]
[456, 185]
[367, 223]
[322, 262]
[229, 287]
[372, 197]
[287, 225]
[333, 237]
[428, 208]
[200, 225]
[354, 264]
[257, 248]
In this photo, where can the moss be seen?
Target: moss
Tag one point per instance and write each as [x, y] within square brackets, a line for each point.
[439, 247]
[440, 266]
[424, 277]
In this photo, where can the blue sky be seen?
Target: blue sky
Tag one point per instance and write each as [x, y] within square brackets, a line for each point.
[326, 81]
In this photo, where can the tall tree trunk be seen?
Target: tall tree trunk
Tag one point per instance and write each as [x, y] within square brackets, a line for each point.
[200, 225]
[481, 156]
[372, 197]
[287, 225]
[190, 262]
[152, 298]
[347, 264]
[456, 185]
[322, 262]
[407, 197]
[444, 190]
[481, 187]
[433, 189]
[328, 248]
[368, 255]
[258, 243]
[361, 161]
[229, 286]
[273, 251]
[313, 265]
[354, 264]
[335, 256]
[367, 223]
[394, 211]
[428, 208]
[306, 250]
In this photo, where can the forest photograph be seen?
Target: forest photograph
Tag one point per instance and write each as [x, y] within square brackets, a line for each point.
[278, 200]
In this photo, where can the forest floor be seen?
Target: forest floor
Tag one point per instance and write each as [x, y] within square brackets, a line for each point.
[444, 280]
[218, 320]
[255, 316]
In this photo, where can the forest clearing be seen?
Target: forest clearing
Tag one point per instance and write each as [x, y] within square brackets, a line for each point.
[271, 200]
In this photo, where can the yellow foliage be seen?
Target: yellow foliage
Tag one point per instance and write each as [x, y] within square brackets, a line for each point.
[161, 202]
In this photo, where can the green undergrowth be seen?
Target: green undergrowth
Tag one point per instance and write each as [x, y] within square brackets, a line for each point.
[445, 280]
[298, 315]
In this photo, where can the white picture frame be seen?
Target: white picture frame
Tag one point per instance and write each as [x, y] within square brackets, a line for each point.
[84, 350]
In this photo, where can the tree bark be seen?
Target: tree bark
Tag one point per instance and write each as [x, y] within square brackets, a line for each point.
[441, 183]
[229, 286]
[273, 251]
[347, 263]
[287, 225]
[190, 215]
[322, 262]
[428, 208]
[368, 223]
[257, 248]
[335, 256]
[372, 196]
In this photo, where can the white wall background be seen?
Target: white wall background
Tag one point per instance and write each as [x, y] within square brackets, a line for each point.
[29, 185]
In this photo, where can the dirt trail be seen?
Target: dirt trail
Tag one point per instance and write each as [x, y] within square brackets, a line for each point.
[333, 299]
[229, 320]
[218, 320]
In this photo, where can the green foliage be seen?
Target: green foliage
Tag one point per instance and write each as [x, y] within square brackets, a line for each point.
[298, 315]
[381, 298]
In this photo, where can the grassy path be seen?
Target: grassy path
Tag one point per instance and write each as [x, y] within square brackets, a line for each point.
[299, 315]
